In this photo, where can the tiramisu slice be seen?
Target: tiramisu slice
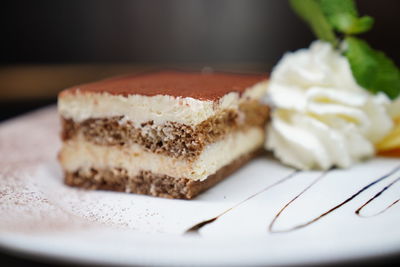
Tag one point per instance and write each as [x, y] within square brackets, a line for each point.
[168, 134]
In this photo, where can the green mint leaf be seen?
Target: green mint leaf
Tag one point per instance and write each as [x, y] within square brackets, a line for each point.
[310, 11]
[361, 25]
[332, 7]
[372, 69]
[343, 16]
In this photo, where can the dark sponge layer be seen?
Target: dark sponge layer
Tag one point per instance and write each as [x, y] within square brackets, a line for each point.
[172, 139]
[147, 183]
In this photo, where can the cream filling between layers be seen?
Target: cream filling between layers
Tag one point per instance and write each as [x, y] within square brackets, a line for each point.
[80, 106]
[78, 153]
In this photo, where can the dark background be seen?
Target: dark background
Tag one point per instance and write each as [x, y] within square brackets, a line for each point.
[207, 31]
[47, 45]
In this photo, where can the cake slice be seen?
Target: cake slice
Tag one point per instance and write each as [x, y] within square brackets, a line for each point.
[167, 134]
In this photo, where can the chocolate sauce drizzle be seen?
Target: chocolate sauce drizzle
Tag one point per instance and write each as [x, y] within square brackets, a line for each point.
[195, 229]
[271, 225]
[358, 211]
[270, 228]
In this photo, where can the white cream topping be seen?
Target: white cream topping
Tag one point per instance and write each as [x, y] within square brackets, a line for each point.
[321, 117]
[78, 153]
[159, 109]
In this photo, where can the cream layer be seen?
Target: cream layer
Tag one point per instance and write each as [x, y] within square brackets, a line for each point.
[78, 153]
[80, 106]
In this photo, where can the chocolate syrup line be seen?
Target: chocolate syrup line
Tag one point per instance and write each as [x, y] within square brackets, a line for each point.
[358, 211]
[270, 228]
[271, 225]
[198, 226]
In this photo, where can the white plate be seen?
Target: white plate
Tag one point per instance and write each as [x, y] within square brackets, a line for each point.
[42, 216]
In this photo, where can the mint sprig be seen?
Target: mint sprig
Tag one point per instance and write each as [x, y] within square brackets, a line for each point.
[372, 69]
[343, 16]
[311, 12]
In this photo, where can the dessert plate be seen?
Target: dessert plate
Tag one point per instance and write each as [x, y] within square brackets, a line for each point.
[265, 213]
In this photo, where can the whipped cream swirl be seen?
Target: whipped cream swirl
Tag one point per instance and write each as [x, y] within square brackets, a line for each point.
[321, 117]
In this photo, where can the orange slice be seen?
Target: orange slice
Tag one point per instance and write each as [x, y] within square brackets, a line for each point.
[390, 145]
